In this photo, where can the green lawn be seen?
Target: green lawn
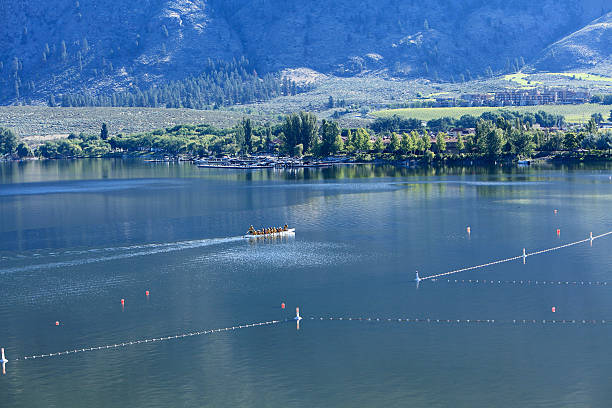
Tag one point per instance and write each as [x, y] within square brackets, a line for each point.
[572, 113]
[521, 79]
[582, 76]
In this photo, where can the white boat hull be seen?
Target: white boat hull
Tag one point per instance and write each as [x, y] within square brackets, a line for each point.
[290, 231]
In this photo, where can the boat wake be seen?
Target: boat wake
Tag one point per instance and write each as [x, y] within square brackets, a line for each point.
[115, 253]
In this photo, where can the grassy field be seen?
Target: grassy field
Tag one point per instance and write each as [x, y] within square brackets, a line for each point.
[572, 113]
[582, 76]
[522, 79]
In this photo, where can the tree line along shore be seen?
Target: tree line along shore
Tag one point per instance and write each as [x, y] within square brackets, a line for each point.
[490, 136]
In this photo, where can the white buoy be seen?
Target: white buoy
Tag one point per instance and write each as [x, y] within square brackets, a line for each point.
[524, 256]
[297, 318]
[3, 360]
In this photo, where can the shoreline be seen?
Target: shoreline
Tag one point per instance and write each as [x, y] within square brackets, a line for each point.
[467, 161]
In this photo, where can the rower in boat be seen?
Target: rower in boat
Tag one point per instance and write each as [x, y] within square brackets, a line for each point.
[268, 231]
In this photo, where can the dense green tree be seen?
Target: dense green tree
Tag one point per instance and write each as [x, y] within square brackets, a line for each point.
[330, 131]
[394, 144]
[8, 142]
[425, 142]
[300, 128]
[395, 124]
[363, 142]
[338, 144]
[604, 142]
[104, 132]
[308, 129]
[479, 142]
[441, 141]
[522, 143]
[350, 142]
[247, 129]
[460, 143]
[23, 150]
[570, 141]
[379, 146]
[415, 141]
[591, 126]
[494, 142]
[407, 144]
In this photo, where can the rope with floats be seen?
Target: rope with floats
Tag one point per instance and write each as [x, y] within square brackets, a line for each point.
[466, 321]
[523, 256]
[151, 340]
[4, 361]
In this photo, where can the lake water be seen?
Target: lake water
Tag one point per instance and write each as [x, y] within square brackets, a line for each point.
[76, 237]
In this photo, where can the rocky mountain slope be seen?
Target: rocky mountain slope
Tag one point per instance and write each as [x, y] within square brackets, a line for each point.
[95, 46]
[589, 48]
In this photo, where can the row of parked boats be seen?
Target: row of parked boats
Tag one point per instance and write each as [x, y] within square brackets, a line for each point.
[267, 162]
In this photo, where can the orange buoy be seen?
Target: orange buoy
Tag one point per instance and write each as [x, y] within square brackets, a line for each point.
[57, 322]
[122, 302]
[283, 305]
[469, 230]
[554, 309]
[558, 231]
[147, 293]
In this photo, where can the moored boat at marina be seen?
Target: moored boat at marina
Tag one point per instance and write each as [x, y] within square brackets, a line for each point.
[259, 162]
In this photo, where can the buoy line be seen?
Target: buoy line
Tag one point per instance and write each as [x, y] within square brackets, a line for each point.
[524, 256]
[151, 340]
[467, 321]
[525, 282]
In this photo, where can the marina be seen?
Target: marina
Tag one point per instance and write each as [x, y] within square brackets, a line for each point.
[263, 162]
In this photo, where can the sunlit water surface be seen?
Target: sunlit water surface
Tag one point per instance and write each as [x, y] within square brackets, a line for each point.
[76, 237]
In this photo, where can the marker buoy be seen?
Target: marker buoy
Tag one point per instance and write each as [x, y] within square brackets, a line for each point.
[554, 309]
[57, 322]
[3, 361]
[122, 302]
[558, 231]
[147, 293]
[283, 305]
[297, 314]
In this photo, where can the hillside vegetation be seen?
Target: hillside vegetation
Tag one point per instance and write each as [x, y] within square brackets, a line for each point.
[588, 48]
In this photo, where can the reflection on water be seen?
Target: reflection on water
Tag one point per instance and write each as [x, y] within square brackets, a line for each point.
[76, 237]
[100, 169]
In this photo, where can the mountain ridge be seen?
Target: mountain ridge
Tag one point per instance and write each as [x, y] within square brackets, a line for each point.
[587, 48]
[102, 46]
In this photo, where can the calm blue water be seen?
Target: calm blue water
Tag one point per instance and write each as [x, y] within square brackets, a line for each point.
[78, 236]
